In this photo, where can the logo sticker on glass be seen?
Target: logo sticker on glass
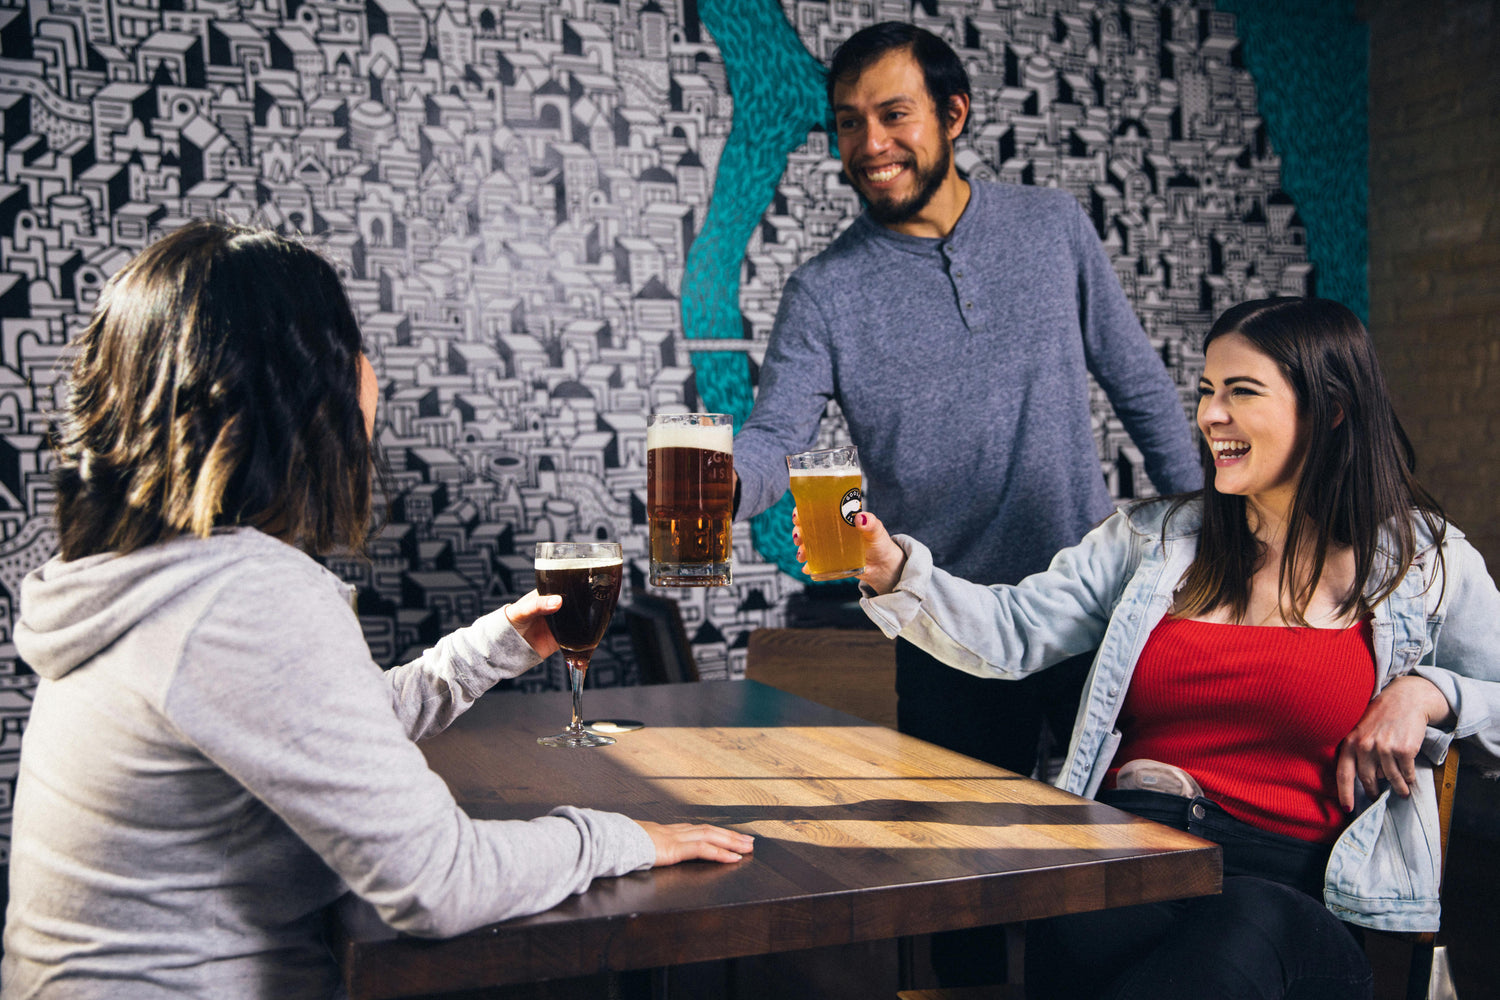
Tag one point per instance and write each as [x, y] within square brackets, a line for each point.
[849, 506]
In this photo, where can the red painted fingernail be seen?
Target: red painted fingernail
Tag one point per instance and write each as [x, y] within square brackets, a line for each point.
[864, 520]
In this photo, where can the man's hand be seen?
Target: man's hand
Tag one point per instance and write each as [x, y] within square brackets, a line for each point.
[1388, 737]
[883, 557]
[528, 617]
[696, 841]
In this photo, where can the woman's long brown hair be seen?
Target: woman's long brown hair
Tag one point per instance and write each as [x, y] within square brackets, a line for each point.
[1357, 486]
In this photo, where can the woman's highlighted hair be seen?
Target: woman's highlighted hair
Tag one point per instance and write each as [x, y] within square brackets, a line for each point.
[217, 384]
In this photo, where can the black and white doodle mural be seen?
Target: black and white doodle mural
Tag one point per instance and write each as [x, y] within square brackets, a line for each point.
[512, 189]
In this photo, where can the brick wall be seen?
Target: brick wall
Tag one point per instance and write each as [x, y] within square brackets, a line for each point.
[1434, 220]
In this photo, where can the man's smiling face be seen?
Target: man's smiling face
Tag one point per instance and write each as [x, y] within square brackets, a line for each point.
[896, 148]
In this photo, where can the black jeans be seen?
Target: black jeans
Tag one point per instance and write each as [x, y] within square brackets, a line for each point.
[999, 722]
[995, 721]
[1268, 936]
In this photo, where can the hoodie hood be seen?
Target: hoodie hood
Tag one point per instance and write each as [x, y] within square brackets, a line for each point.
[72, 610]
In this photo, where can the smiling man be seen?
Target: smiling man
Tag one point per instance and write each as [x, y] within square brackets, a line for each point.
[895, 138]
[956, 324]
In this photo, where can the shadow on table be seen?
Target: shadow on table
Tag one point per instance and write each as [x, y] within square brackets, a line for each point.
[959, 813]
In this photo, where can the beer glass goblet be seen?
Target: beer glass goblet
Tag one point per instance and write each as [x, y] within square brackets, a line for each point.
[690, 498]
[825, 485]
[587, 576]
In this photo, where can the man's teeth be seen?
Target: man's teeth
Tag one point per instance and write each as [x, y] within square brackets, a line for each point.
[884, 173]
[1230, 449]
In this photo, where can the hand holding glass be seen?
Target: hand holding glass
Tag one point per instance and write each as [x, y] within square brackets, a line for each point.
[825, 485]
[587, 577]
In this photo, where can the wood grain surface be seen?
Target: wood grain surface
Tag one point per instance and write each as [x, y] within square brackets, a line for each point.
[862, 833]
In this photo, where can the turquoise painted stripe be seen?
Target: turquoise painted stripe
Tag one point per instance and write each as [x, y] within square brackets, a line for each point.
[1310, 61]
[778, 97]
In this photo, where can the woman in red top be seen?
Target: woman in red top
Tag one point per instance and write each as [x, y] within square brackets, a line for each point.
[1249, 716]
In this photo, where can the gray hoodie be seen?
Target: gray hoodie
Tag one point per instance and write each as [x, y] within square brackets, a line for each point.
[213, 757]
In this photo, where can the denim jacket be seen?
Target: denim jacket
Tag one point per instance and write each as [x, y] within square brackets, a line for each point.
[1110, 590]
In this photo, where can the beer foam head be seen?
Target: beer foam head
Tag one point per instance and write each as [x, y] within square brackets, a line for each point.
[580, 562]
[718, 437]
[843, 472]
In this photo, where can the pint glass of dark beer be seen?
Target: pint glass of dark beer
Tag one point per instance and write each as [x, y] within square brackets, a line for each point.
[587, 576]
[690, 497]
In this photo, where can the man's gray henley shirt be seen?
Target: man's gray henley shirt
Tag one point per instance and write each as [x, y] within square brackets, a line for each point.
[960, 365]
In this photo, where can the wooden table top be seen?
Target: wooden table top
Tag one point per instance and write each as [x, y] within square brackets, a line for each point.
[862, 833]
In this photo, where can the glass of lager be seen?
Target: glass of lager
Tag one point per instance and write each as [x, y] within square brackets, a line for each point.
[587, 575]
[825, 485]
[690, 497]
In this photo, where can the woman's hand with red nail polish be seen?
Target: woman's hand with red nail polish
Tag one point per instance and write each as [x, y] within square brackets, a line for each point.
[884, 559]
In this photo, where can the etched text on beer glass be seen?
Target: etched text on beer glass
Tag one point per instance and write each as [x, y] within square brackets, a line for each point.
[826, 487]
[587, 576]
[690, 498]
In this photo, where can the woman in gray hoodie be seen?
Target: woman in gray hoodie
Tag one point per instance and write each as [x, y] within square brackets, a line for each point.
[213, 757]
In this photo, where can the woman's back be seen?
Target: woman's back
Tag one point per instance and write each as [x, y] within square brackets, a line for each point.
[213, 756]
[137, 855]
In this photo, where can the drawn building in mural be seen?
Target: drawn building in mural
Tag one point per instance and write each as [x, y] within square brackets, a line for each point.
[511, 190]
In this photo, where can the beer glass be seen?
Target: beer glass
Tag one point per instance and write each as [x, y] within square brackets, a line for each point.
[825, 485]
[587, 576]
[690, 497]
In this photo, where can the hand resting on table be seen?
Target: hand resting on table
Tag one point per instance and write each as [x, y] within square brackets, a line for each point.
[674, 842]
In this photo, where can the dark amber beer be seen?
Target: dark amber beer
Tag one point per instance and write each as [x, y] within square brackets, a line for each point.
[690, 498]
[589, 589]
[587, 577]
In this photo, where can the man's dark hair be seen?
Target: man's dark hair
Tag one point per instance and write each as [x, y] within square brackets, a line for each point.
[941, 68]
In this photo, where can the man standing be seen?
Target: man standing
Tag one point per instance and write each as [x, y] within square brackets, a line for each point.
[955, 322]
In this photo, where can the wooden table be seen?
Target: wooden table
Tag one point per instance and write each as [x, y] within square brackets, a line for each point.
[862, 834]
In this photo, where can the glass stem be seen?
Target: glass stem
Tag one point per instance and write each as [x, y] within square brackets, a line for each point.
[578, 665]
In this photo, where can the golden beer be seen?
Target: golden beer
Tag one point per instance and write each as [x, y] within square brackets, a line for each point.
[825, 485]
[690, 498]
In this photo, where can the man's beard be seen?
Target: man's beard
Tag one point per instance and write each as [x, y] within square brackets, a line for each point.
[893, 213]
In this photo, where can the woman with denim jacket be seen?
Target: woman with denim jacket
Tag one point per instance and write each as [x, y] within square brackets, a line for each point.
[1276, 652]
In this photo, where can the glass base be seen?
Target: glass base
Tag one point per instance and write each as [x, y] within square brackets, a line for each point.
[571, 739]
[836, 574]
[689, 574]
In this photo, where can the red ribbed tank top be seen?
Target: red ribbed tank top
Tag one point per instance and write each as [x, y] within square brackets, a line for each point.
[1255, 713]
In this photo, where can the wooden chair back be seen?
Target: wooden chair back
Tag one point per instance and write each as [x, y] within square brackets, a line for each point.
[1419, 973]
